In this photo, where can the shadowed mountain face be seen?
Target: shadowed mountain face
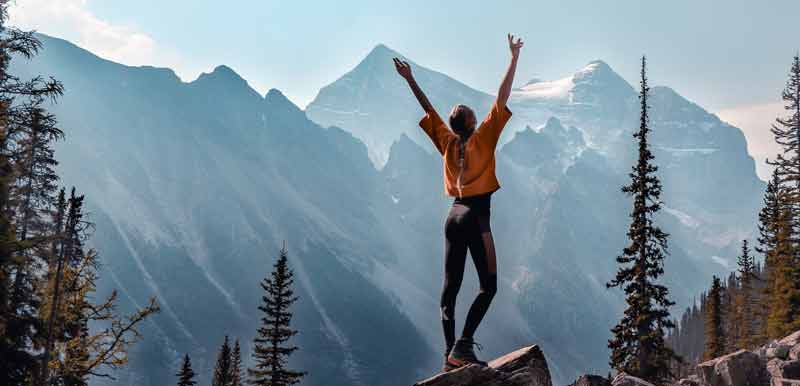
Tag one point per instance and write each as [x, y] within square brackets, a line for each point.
[193, 187]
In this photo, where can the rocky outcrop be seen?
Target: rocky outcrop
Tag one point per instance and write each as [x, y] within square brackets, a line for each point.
[524, 367]
[591, 380]
[741, 368]
[623, 379]
[774, 364]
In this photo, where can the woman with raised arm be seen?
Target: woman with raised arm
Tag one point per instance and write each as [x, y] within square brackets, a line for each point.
[468, 162]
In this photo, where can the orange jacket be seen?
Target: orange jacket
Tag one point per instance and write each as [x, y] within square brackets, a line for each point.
[478, 175]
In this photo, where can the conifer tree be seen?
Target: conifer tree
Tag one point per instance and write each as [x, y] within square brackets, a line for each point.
[744, 318]
[786, 131]
[186, 375]
[72, 354]
[784, 303]
[783, 264]
[271, 349]
[236, 365]
[18, 323]
[767, 241]
[222, 370]
[638, 344]
[714, 335]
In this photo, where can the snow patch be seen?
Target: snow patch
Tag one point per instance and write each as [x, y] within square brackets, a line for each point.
[555, 89]
[721, 261]
[683, 217]
[686, 151]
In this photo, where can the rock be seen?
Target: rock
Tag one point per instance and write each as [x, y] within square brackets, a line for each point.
[591, 380]
[741, 368]
[692, 380]
[780, 351]
[794, 353]
[786, 382]
[623, 379]
[524, 367]
[791, 340]
[779, 369]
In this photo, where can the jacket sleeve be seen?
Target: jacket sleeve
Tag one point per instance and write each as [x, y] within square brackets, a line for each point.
[492, 126]
[436, 129]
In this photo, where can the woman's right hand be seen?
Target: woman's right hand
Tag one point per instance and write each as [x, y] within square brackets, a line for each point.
[403, 68]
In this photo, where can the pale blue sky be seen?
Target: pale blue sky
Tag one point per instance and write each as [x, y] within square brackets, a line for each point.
[730, 56]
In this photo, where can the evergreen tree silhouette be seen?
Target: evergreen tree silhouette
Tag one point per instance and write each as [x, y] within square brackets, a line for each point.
[186, 375]
[19, 324]
[222, 370]
[638, 345]
[236, 365]
[768, 220]
[784, 302]
[271, 349]
[783, 260]
[744, 319]
[714, 334]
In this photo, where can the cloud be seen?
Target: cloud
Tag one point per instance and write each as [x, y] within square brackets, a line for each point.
[755, 121]
[72, 20]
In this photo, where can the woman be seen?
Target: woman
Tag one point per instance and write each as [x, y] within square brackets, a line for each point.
[469, 163]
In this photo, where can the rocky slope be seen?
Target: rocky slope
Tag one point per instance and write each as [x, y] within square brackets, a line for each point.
[774, 364]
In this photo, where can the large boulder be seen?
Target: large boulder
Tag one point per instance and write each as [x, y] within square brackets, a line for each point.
[692, 380]
[524, 367]
[778, 350]
[780, 370]
[793, 341]
[741, 368]
[591, 380]
[623, 379]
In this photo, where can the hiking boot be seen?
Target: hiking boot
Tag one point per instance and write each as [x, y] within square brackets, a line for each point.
[448, 366]
[462, 353]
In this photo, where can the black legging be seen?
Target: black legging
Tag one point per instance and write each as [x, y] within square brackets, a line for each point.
[467, 227]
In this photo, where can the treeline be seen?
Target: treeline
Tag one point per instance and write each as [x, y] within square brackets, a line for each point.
[271, 348]
[760, 301]
[47, 276]
[732, 312]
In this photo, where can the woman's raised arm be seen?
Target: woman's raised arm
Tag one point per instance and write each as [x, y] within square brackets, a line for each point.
[405, 71]
[508, 79]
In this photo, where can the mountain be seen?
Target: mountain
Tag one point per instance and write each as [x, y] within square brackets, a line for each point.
[194, 186]
[374, 104]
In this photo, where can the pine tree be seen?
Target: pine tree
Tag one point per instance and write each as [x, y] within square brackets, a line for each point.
[783, 264]
[714, 335]
[186, 375]
[767, 241]
[787, 134]
[18, 323]
[33, 190]
[71, 353]
[236, 365]
[638, 346]
[744, 318]
[222, 370]
[784, 303]
[271, 352]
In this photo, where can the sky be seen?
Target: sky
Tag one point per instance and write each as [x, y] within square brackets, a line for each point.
[729, 56]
